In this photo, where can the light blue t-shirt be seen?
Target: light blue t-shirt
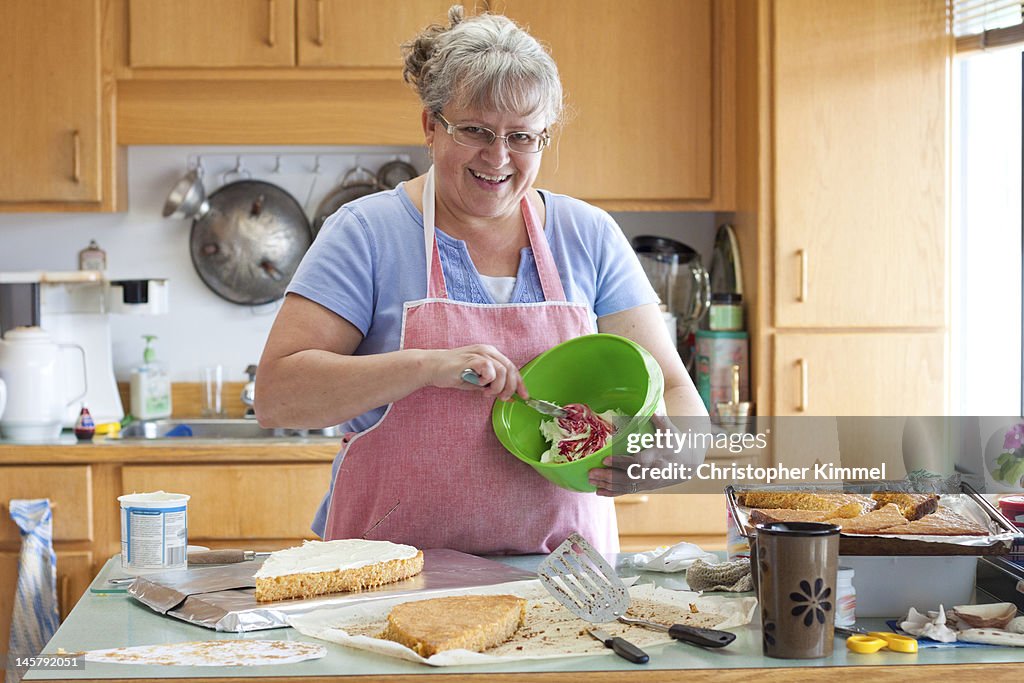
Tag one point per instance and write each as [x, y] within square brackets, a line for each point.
[368, 260]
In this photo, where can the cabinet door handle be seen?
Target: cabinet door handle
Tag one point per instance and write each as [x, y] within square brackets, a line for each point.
[802, 405]
[76, 156]
[801, 295]
[319, 23]
[271, 24]
[62, 600]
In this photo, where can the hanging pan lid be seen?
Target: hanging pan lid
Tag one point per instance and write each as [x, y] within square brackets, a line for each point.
[247, 246]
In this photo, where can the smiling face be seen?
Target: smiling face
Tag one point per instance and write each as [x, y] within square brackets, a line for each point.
[485, 183]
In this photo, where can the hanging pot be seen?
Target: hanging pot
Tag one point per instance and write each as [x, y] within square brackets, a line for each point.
[248, 243]
[357, 182]
[394, 172]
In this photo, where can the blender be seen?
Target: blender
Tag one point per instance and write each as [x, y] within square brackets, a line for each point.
[681, 282]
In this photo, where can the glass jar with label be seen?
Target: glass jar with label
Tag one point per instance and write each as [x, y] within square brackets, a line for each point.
[92, 257]
[726, 312]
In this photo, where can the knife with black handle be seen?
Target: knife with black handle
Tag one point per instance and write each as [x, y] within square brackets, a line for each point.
[621, 646]
[705, 637]
[223, 556]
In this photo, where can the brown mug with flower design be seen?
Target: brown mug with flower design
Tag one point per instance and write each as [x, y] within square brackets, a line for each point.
[796, 567]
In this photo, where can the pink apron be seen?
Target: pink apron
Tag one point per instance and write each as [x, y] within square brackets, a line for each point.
[434, 451]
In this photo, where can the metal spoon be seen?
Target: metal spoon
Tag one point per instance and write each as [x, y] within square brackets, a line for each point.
[543, 407]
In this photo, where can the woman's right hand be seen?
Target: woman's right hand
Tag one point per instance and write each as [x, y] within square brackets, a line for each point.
[499, 376]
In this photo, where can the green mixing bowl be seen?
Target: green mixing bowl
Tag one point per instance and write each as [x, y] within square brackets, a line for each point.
[603, 371]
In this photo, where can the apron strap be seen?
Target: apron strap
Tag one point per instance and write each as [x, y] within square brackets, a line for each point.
[436, 288]
[550, 282]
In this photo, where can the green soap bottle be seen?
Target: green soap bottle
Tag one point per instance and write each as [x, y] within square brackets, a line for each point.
[150, 386]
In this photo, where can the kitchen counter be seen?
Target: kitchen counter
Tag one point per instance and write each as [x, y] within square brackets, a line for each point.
[114, 620]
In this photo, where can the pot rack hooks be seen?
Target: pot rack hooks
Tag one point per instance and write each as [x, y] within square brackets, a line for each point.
[277, 162]
[312, 184]
[239, 172]
[197, 166]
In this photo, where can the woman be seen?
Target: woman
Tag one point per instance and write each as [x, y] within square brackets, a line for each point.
[465, 267]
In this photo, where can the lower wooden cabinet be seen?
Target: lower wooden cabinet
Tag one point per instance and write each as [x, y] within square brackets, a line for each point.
[74, 573]
[69, 488]
[648, 520]
[241, 503]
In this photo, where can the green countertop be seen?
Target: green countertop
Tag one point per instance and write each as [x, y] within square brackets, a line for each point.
[105, 620]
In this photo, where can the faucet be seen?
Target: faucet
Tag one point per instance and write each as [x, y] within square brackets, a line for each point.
[249, 397]
[249, 392]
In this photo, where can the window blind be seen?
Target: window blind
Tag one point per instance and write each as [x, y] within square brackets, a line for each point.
[982, 24]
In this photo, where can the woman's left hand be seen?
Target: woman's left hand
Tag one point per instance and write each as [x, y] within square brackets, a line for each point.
[614, 478]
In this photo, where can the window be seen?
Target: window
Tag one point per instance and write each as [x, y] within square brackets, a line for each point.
[986, 285]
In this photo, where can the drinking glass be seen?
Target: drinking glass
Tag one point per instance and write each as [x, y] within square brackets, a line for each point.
[212, 390]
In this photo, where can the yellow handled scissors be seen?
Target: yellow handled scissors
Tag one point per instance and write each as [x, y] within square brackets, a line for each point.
[878, 640]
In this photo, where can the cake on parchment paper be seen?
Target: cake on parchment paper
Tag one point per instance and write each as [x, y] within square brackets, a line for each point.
[320, 567]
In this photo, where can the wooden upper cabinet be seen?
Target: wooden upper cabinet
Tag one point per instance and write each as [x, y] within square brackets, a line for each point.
[211, 33]
[650, 123]
[362, 34]
[50, 118]
[859, 126]
[640, 92]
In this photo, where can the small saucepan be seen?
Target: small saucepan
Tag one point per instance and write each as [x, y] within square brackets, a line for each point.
[395, 172]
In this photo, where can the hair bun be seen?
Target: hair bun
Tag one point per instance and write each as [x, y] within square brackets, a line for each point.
[418, 51]
[456, 13]
[486, 59]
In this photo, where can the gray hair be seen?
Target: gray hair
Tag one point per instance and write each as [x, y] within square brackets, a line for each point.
[486, 60]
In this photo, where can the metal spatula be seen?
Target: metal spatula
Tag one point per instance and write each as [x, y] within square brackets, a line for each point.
[583, 581]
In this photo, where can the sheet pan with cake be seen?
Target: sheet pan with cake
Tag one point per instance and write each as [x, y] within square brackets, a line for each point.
[880, 518]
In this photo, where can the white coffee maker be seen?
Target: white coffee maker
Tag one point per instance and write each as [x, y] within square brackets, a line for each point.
[73, 308]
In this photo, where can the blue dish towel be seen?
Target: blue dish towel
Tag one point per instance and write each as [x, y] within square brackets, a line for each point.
[922, 641]
[35, 617]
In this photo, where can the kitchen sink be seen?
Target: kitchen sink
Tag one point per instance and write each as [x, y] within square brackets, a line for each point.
[209, 428]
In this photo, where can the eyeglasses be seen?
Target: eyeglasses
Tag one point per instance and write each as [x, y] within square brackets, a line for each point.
[520, 142]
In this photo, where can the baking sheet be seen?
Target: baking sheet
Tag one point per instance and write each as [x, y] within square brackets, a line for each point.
[549, 631]
[223, 598]
[999, 539]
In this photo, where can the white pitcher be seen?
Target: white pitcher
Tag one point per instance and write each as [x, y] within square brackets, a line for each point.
[30, 367]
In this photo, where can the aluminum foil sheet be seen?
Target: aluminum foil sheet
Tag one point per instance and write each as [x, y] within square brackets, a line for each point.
[223, 598]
